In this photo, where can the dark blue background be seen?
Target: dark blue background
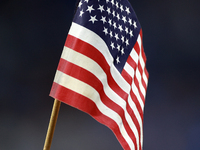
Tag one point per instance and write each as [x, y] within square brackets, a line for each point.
[32, 36]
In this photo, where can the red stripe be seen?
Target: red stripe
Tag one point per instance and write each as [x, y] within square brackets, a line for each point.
[137, 104]
[137, 85]
[146, 73]
[141, 73]
[142, 47]
[134, 119]
[139, 108]
[144, 58]
[91, 52]
[83, 103]
[131, 62]
[137, 48]
[130, 111]
[135, 79]
[144, 84]
[126, 76]
[140, 68]
[143, 55]
[85, 76]
[141, 35]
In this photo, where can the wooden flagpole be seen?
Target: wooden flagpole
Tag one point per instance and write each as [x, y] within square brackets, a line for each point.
[52, 125]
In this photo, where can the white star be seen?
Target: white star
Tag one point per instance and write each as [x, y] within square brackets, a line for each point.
[103, 19]
[118, 47]
[107, 1]
[110, 22]
[113, 13]
[101, 8]
[112, 45]
[105, 31]
[80, 4]
[93, 19]
[131, 33]
[120, 28]
[90, 8]
[117, 59]
[122, 38]
[124, 19]
[127, 10]
[114, 25]
[116, 36]
[127, 42]
[117, 5]
[86, 1]
[122, 51]
[112, 1]
[121, 7]
[108, 10]
[118, 17]
[81, 13]
[134, 24]
[130, 21]
[126, 29]
[111, 35]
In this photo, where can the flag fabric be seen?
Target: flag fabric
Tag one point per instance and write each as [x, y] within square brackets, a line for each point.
[102, 69]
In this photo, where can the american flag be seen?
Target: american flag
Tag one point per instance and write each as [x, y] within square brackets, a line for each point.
[102, 68]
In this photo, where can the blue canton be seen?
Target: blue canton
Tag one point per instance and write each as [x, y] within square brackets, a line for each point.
[115, 22]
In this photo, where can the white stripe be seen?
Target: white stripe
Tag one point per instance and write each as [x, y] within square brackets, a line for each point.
[80, 87]
[119, 79]
[135, 110]
[136, 92]
[139, 58]
[129, 70]
[134, 55]
[134, 88]
[139, 78]
[143, 90]
[141, 61]
[139, 40]
[145, 78]
[88, 64]
[137, 115]
[93, 39]
[143, 67]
